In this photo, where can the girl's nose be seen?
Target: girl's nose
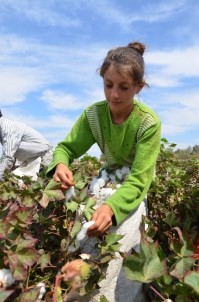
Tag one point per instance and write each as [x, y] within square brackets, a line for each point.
[114, 93]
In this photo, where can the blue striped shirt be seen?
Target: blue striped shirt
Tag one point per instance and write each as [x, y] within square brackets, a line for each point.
[19, 142]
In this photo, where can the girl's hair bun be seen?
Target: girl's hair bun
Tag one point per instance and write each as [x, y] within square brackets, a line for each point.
[139, 47]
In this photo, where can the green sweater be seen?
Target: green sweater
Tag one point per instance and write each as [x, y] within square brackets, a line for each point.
[135, 143]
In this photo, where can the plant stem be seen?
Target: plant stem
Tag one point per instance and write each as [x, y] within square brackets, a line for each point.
[157, 293]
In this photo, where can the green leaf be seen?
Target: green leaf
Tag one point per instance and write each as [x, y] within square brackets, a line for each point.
[44, 260]
[52, 185]
[88, 214]
[112, 238]
[4, 294]
[76, 228]
[77, 176]
[144, 270]
[4, 228]
[192, 279]
[27, 256]
[181, 267]
[24, 244]
[8, 195]
[80, 184]
[83, 194]
[103, 299]
[20, 272]
[30, 296]
[52, 192]
[90, 202]
[72, 206]
[28, 201]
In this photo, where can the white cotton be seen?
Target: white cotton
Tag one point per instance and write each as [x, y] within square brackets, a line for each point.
[118, 186]
[6, 278]
[125, 171]
[101, 182]
[112, 177]
[70, 193]
[106, 192]
[42, 287]
[104, 175]
[83, 233]
[119, 174]
[85, 256]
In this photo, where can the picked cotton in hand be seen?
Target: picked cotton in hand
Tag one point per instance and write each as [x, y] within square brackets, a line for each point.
[70, 193]
[83, 233]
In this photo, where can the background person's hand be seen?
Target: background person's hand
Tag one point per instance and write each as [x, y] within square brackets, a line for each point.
[64, 176]
[103, 221]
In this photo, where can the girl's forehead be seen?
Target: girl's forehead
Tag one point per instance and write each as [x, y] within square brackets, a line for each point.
[121, 74]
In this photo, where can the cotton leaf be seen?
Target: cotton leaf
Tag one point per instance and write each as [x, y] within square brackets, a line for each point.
[44, 260]
[27, 256]
[25, 244]
[192, 279]
[72, 206]
[76, 228]
[181, 267]
[4, 294]
[52, 192]
[103, 299]
[20, 272]
[112, 238]
[4, 228]
[138, 269]
[30, 296]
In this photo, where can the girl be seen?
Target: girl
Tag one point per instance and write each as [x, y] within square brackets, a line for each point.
[128, 134]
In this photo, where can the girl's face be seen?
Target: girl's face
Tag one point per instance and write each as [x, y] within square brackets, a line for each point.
[119, 90]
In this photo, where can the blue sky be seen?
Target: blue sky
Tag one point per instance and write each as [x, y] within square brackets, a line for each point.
[50, 51]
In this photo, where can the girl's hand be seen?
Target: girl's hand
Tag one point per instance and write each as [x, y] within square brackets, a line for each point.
[103, 221]
[64, 176]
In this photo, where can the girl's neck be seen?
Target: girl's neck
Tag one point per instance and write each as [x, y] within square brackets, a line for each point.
[121, 116]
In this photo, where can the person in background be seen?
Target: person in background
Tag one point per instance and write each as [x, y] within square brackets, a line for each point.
[128, 133]
[23, 149]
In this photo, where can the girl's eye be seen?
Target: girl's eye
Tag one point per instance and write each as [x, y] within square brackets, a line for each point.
[124, 88]
[108, 85]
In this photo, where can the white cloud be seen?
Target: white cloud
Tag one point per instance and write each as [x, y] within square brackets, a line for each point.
[41, 12]
[59, 100]
[150, 12]
[169, 68]
[15, 83]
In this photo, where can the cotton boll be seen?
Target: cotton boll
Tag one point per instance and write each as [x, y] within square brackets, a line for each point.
[85, 256]
[112, 177]
[70, 193]
[6, 278]
[101, 182]
[83, 233]
[118, 186]
[106, 192]
[125, 171]
[118, 173]
[42, 287]
[104, 175]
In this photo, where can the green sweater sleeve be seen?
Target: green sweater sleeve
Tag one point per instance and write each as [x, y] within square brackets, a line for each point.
[135, 188]
[76, 143]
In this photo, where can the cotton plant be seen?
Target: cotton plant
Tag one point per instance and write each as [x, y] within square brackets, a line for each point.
[106, 184]
[100, 188]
